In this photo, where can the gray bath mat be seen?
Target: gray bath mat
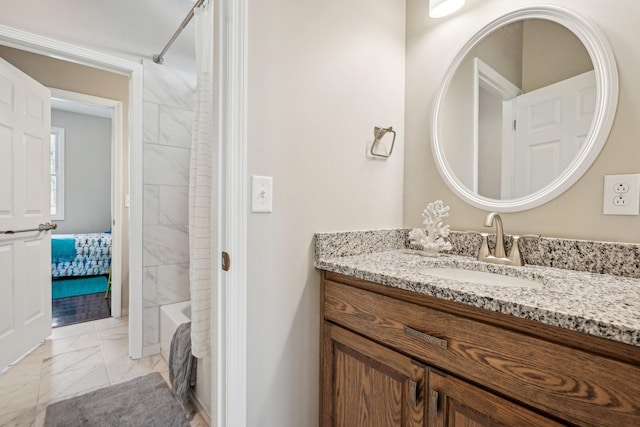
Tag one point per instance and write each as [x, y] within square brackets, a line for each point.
[143, 401]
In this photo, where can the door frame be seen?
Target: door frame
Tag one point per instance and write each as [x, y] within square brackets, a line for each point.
[485, 77]
[229, 299]
[34, 43]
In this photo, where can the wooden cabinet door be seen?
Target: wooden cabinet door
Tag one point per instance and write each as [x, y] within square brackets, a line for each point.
[455, 403]
[368, 385]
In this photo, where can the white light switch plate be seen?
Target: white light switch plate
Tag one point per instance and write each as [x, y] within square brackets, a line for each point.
[621, 195]
[261, 193]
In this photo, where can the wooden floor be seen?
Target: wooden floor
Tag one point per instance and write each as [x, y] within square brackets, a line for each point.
[83, 308]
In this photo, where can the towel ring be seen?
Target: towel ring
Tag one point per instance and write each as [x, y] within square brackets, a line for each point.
[378, 134]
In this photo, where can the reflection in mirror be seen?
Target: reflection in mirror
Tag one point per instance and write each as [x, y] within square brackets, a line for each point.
[518, 108]
[524, 108]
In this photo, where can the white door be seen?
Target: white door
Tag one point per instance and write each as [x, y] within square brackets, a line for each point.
[551, 125]
[25, 189]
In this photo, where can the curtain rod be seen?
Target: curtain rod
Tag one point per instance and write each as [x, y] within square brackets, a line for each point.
[159, 59]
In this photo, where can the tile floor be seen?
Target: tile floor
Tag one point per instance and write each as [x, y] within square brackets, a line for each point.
[76, 359]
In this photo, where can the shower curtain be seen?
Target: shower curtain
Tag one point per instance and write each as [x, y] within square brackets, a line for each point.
[202, 209]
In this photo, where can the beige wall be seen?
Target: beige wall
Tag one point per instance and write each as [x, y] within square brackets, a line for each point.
[546, 43]
[55, 73]
[321, 76]
[431, 45]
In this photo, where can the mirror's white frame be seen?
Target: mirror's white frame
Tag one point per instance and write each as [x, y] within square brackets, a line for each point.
[606, 73]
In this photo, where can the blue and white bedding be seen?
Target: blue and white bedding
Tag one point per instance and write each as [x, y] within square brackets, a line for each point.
[80, 254]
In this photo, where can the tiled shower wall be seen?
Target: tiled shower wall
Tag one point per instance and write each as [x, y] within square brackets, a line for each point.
[169, 100]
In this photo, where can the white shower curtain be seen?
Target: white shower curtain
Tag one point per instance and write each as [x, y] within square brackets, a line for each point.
[202, 206]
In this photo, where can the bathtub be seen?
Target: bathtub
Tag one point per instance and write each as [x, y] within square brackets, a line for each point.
[172, 316]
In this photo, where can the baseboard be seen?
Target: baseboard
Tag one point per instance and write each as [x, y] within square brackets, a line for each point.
[150, 350]
[195, 400]
[201, 408]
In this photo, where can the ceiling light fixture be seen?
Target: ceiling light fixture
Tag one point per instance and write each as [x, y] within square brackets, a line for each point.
[440, 8]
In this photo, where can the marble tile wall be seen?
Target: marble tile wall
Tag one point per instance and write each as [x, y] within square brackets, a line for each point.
[169, 100]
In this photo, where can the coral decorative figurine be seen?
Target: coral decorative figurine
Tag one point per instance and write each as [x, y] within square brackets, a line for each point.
[432, 238]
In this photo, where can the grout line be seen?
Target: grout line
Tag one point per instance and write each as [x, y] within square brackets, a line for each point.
[104, 359]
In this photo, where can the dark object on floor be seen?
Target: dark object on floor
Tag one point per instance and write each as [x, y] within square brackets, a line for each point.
[143, 401]
[182, 365]
[70, 287]
[66, 311]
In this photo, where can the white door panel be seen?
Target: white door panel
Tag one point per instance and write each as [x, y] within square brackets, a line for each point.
[7, 315]
[36, 302]
[35, 150]
[545, 115]
[543, 163]
[6, 170]
[552, 123]
[25, 258]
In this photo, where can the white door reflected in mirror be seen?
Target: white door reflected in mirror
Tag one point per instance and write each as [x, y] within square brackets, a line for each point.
[551, 125]
[525, 142]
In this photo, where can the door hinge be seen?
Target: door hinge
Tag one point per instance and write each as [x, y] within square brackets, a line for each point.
[514, 125]
[226, 261]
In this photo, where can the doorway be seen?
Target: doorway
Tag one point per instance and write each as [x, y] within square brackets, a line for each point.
[86, 283]
[105, 70]
[89, 258]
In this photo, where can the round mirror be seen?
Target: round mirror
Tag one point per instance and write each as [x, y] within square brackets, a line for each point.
[524, 109]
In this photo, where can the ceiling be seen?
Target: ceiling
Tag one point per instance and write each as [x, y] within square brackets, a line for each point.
[132, 29]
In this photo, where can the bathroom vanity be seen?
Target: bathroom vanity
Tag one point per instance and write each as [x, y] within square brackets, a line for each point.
[415, 340]
[401, 347]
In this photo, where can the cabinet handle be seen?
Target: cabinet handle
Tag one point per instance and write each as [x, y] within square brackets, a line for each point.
[428, 338]
[413, 392]
[434, 403]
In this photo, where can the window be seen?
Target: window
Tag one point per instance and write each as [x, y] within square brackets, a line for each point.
[57, 173]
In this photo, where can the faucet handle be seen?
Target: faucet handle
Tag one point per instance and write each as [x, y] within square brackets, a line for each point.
[484, 251]
[515, 256]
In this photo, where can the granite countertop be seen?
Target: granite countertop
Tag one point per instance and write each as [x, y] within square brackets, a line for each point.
[597, 304]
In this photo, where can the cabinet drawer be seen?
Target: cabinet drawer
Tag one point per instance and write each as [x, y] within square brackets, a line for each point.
[584, 388]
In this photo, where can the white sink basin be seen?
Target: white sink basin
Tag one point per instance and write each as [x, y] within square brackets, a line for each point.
[480, 277]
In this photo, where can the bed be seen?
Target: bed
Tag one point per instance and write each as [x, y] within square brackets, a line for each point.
[78, 255]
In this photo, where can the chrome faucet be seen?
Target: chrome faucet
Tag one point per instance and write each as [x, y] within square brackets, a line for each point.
[499, 255]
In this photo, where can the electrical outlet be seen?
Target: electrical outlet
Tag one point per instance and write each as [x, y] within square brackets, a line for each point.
[621, 187]
[621, 195]
[619, 201]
